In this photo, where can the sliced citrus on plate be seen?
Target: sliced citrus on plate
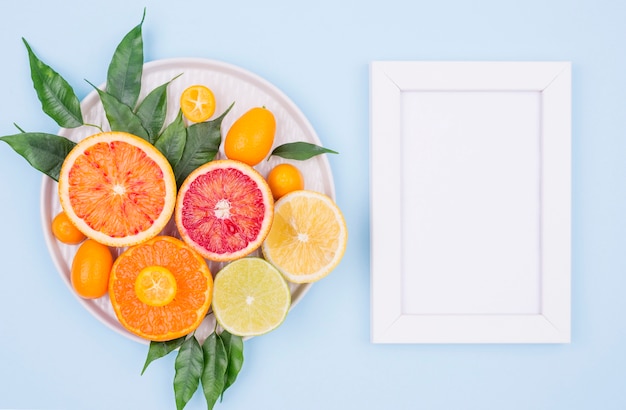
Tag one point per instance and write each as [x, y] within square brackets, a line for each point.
[224, 210]
[250, 297]
[160, 289]
[117, 188]
[308, 236]
[197, 103]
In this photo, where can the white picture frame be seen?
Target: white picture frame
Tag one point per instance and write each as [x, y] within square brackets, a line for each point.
[470, 195]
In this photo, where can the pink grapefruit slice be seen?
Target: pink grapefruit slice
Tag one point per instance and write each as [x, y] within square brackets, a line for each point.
[224, 210]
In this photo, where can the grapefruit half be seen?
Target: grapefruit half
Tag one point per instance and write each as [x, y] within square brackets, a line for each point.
[160, 289]
[117, 189]
[224, 210]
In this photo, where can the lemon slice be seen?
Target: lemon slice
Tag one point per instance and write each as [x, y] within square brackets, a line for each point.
[250, 297]
[308, 236]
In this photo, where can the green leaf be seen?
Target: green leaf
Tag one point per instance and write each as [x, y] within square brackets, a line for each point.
[215, 364]
[152, 110]
[300, 150]
[234, 352]
[171, 142]
[160, 349]
[126, 67]
[120, 116]
[203, 143]
[44, 152]
[57, 97]
[188, 370]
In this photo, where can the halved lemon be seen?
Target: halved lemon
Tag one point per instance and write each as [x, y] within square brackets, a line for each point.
[308, 236]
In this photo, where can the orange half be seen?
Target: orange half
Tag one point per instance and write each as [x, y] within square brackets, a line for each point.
[117, 188]
[146, 301]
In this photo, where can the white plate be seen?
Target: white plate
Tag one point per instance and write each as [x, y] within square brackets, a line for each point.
[229, 84]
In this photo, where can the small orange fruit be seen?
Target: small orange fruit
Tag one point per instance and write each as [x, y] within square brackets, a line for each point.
[160, 289]
[64, 230]
[117, 188]
[90, 269]
[197, 103]
[224, 210]
[284, 178]
[251, 136]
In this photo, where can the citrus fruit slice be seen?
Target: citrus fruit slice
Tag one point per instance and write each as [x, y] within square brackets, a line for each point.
[251, 136]
[155, 286]
[224, 210]
[308, 236]
[117, 188]
[160, 289]
[197, 103]
[250, 297]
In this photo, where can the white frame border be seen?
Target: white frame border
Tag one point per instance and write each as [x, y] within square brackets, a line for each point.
[388, 79]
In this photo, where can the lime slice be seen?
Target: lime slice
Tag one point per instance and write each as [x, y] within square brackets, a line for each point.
[250, 297]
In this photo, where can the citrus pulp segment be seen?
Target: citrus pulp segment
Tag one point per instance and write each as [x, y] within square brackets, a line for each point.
[117, 188]
[250, 297]
[193, 289]
[224, 210]
[308, 236]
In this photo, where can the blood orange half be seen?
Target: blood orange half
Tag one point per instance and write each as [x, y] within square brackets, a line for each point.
[117, 189]
[160, 289]
[224, 210]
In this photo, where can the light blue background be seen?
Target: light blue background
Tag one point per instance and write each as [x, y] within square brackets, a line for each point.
[55, 355]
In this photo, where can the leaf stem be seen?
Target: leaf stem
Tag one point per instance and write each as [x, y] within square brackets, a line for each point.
[95, 126]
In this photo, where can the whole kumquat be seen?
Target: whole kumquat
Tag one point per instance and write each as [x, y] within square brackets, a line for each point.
[90, 270]
[64, 230]
[284, 178]
[251, 136]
